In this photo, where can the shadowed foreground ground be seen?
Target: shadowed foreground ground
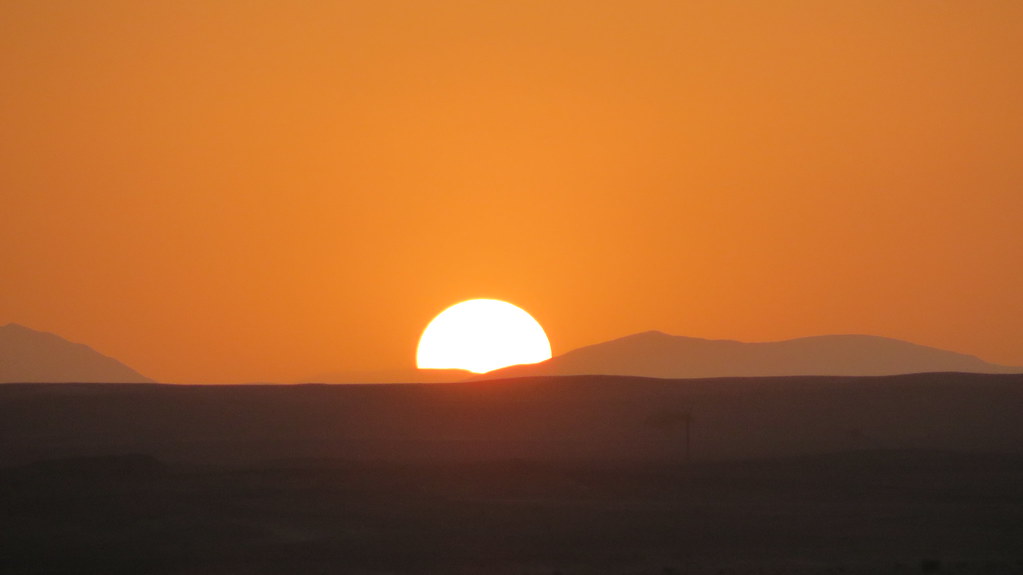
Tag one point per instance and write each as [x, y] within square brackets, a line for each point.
[918, 474]
[891, 512]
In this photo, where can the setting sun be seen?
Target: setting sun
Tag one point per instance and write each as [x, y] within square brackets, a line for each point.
[482, 335]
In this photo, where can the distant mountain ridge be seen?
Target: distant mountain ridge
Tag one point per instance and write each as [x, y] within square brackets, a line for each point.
[30, 356]
[657, 354]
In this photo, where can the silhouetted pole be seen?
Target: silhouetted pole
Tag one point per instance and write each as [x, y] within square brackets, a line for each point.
[689, 423]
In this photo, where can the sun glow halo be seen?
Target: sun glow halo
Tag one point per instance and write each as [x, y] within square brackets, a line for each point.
[482, 335]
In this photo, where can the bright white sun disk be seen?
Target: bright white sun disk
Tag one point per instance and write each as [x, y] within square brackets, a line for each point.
[482, 335]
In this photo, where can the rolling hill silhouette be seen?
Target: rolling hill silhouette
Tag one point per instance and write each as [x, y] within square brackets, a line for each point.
[571, 418]
[30, 356]
[657, 354]
[574, 474]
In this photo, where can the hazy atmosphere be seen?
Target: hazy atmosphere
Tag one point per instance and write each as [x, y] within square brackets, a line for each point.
[265, 191]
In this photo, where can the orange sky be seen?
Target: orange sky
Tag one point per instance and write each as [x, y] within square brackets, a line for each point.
[237, 191]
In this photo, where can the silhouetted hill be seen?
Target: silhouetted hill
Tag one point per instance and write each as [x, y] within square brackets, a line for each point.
[30, 356]
[604, 418]
[656, 354]
[584, 474]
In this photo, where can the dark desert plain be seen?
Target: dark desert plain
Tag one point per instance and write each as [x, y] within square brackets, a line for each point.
[575, 474]
[523, 287]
